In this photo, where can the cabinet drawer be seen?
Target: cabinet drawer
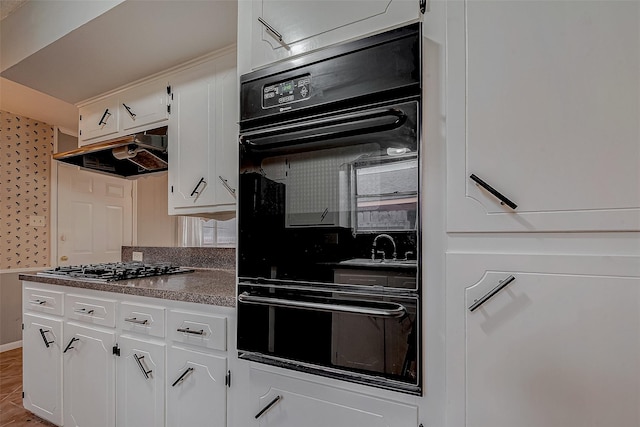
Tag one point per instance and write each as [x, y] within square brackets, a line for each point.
[96, 311]
[198, 329]
[142, 319]
[43, 301]
[276, 400]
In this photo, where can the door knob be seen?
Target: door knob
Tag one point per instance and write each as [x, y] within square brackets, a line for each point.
[64, 258]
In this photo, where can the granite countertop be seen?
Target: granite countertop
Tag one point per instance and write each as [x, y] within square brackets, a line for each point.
[215, 286]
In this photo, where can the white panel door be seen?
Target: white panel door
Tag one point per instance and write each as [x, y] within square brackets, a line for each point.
[95, 216]
[140, 378]
[89, 377]
[559, 346]
[543, 106]
[42, 367]
[310, 25]
[196, 390]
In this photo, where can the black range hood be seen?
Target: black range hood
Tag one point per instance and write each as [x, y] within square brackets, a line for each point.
[129, 157]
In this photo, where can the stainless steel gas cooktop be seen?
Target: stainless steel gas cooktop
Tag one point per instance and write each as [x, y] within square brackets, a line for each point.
[108, 272]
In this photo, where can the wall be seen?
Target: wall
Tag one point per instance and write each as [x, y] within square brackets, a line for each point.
[25, 152]
[10, 310]
[25, 184]
[154, 226]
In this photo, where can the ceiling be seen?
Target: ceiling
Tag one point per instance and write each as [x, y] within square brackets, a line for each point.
[129, 42]
[7, 7]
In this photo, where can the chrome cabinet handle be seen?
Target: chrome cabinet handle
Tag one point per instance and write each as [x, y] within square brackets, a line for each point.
[195, 190]
[343, 306]
[141, 366]
[83, 311]
[44, 337]
[189, 331]
[503, 199]
[270, 28]
[131, 113]
[68, 347]
[182, 377]
[477, 303]
[135, 320]
[37, 301]
[106, 115]
[227, 186]
[270, 405]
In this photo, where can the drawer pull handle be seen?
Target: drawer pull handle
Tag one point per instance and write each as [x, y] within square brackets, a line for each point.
[141, 366]
[44, 337]
[105, 117]
[37, 301]
[270, 29]
[182, 377]
[195, 190]
[189, 331]
[225, 182]
[496, 193]
[135, 320]
[68, 347]
[477, 303]
[131, 113]
[83, 311]
[269, 406]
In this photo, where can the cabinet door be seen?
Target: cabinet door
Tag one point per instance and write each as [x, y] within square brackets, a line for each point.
[89, 377]
[279, 401]
[543, 106]
[312, 25]
[140, 378]
[98, 120]
[143, 106]
[196, 390]
[559, 346]
[203, 139]
[42, 367]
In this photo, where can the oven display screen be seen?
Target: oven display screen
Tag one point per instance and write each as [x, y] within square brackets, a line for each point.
[283, 93]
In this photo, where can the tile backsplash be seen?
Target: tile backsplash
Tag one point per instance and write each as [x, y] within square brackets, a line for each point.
[25, 173]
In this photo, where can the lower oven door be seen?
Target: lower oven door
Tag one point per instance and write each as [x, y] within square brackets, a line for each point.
[370, 339]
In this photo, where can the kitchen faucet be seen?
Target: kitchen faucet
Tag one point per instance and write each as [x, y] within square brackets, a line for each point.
[375, 243]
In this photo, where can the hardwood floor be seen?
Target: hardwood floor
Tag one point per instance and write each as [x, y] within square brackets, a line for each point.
[12, 414]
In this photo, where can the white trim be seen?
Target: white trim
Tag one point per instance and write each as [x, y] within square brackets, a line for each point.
[10, 346]
[23, 270]
[134, 214]
[53, 203]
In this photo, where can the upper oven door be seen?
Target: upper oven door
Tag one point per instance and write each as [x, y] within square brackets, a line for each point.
[333, 198]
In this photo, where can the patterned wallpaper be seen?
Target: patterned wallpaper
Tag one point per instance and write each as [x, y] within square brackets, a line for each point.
[25, 163]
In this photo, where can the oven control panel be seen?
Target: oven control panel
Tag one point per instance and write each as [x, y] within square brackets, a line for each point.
[286, 92]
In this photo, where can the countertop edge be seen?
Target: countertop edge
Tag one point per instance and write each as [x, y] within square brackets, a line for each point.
[223, 294]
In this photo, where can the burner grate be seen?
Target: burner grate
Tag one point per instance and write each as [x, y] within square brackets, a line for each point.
[108, 272]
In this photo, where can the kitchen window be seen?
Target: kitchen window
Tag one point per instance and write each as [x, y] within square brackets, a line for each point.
[204, 232]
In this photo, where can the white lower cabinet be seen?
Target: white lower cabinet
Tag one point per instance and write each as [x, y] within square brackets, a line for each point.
[196, 389]
[106, 360]
[280, 401]
[140, 379]
[42, 366]
[88, 376]
[558, 346]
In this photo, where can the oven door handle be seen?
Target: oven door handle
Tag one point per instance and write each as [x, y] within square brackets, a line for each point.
[325, 129]
[391, 310]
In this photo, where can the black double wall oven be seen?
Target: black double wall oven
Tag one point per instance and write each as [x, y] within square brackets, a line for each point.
[329, 213]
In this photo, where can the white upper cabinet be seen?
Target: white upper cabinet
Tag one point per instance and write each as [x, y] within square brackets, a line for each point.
[543, 106]
[203, 139]
[144, 105]
[98, 120]
[558, 346]
[280, 29]
[136, 109]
